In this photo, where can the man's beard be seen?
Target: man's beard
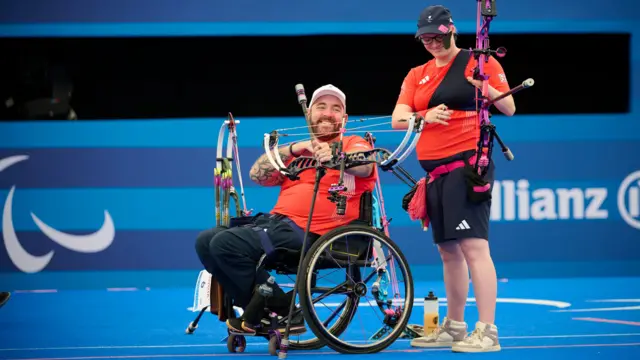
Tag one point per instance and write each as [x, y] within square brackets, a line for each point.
[330, 135]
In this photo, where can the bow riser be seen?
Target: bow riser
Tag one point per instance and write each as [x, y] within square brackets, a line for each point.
[486, 12]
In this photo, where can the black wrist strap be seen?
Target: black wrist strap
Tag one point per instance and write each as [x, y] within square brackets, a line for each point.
[291, 149]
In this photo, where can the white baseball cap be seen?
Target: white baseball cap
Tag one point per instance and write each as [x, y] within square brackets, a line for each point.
[329, 90]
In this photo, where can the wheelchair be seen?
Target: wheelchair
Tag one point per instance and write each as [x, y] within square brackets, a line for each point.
[370, 261]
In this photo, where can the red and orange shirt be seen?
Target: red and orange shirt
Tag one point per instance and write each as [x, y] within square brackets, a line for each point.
[295, 196]
[440, 141]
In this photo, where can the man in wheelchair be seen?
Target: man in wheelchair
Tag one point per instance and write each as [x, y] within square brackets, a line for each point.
[232, 255]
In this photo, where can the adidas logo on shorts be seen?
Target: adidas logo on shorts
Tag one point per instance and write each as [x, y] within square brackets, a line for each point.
[463, 226]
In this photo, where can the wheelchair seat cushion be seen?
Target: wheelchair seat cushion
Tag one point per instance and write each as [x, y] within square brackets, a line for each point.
[285, 260]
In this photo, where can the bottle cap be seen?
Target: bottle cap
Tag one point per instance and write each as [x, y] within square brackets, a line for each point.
[431, 296]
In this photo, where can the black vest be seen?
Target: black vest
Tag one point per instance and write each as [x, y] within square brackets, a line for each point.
[457, 93]
[454, 90]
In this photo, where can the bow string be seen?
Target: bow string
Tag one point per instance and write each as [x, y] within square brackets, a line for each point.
[341, 161]
[385, 158]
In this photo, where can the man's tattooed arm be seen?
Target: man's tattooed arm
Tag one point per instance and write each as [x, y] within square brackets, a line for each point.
[263, 173]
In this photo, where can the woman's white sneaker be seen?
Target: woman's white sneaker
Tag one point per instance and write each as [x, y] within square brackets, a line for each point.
[444, 336]
[483, 339]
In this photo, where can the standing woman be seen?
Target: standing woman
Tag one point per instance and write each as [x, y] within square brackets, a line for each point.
[443, 92]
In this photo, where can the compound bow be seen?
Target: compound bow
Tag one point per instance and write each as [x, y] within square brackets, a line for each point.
[223, 174]
[486, 12]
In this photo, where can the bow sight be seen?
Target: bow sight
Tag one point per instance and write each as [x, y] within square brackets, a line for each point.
[336, 190]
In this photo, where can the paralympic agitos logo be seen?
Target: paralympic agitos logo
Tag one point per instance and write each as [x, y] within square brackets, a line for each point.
[28, 263]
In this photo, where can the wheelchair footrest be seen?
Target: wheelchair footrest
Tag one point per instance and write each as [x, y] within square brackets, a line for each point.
[412, 332]
[268, 331]
[409, 332]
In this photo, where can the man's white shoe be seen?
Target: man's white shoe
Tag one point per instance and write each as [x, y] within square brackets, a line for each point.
[483, 339]
[444, 336]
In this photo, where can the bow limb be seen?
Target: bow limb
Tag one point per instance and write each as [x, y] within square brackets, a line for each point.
[218, 173]
[226, 169]
[416, 126]
[274, 140]
[235, 154]
[270, 143]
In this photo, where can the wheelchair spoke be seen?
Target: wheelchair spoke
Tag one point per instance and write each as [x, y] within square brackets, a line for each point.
[371, 271]
[372, 304]
[329, 292]
[333, 315]
[329, 273]
[339, 308]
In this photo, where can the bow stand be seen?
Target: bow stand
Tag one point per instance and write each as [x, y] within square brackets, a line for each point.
[486, 12]
[224, 192]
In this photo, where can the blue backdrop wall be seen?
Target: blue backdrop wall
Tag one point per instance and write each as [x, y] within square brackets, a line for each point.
[568, 205]
[278, 17]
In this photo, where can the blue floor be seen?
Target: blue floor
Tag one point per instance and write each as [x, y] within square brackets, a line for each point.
[579, 318]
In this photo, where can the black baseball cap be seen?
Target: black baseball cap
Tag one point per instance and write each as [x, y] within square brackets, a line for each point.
[434, 19]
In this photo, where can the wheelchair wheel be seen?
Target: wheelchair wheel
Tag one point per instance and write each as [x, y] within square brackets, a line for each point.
[336, 328]
[236, 343]
[373, 264]
[306, 342]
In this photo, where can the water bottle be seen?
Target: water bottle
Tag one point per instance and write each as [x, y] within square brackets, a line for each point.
[431, 313]
[266, 289]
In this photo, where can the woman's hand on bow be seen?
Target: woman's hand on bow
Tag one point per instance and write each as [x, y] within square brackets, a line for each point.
[438, 114]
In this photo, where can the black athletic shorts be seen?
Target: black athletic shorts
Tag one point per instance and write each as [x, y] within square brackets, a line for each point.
[452, 215]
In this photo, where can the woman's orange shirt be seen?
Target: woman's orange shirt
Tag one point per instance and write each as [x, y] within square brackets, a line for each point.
[441, 141]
